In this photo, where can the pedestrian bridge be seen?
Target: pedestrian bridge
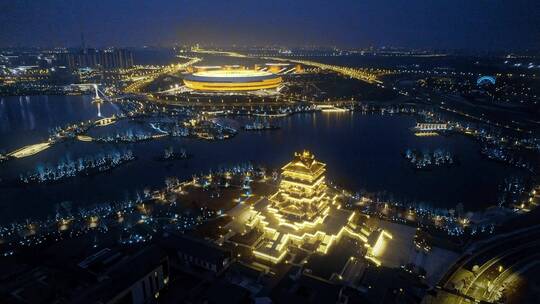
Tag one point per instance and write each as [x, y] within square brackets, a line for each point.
[29, 150]
[105, 121]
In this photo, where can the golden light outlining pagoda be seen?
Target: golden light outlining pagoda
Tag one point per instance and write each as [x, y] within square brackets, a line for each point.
[303, 213]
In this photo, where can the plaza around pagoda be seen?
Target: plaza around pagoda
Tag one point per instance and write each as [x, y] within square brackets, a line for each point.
[305, 214]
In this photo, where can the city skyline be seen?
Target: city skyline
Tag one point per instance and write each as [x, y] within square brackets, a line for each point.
[479, 25]
[307, 152]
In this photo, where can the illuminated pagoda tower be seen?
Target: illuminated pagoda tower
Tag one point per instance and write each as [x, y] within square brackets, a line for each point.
[303, 213]
[302, 195]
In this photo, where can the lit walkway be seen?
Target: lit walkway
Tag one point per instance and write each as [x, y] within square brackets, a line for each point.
[29, 150]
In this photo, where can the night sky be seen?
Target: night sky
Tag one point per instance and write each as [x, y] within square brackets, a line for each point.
[441, 24]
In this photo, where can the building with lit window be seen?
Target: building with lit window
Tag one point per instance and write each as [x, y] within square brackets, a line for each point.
[106, 59]
[431, 126]
[192, 252]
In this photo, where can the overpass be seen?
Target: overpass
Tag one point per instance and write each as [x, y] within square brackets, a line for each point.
[140, 82]
[481, 274]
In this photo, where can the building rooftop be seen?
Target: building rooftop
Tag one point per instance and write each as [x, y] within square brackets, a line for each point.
[95, 278]
[230, 75]
[222, 291]
[304, 163]
[304, 288]
[195, 247]
[124, 273]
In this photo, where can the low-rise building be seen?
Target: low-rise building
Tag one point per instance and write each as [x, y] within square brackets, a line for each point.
[197, 253]
[136, 278]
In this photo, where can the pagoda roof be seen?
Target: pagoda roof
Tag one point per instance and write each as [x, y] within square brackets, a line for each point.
[305, 163]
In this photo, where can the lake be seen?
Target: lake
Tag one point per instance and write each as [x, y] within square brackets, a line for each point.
[362, 153]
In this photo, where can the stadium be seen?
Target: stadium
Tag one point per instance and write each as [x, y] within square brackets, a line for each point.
[227, 80]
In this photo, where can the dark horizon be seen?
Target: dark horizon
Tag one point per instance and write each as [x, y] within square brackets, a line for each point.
[479, 25]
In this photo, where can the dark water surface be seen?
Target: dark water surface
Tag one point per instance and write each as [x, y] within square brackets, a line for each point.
[27, 119]
[361, 152]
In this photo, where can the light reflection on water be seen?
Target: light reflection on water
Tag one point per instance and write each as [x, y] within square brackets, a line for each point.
[361, 152]
[25, 120]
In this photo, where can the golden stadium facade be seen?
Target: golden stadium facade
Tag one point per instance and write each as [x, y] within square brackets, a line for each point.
[225, 80]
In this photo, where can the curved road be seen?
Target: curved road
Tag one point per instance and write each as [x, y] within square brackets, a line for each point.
[495, 262]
